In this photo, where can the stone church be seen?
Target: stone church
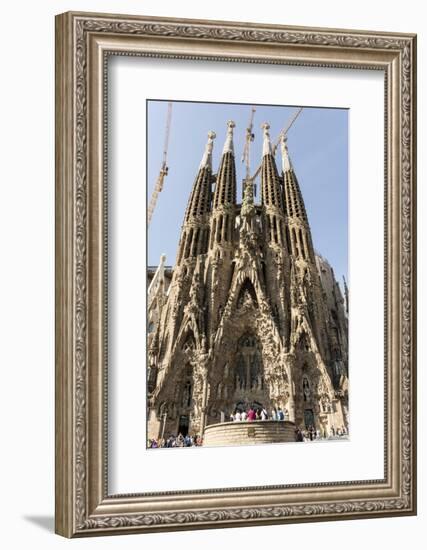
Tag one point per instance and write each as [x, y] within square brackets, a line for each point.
[249, 315]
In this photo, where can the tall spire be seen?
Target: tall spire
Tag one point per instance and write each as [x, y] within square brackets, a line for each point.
[228, 145]
[199, 201]
[298, 232]
[286, 161]
[157, 280]
[195, 231]
[266, 146]
[272, 198]
[224, 199]
[292, 193]
[207, 156]
[225, 189]
[271, 192]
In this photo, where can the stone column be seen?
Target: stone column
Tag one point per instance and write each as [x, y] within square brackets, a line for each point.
[218, 229]
[306, 247]
[298, 235]
[292, 237]
[291, 402]
[224, 228]
[248, 371]
[204, 372]
[291, 406]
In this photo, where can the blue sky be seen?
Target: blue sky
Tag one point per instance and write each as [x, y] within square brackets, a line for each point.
[318, 147]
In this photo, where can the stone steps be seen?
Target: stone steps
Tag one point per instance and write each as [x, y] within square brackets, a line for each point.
[249, 433]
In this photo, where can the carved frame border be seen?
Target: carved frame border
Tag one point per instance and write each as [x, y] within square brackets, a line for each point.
[83, 43]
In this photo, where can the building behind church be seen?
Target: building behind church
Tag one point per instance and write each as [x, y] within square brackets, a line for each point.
[249, 315]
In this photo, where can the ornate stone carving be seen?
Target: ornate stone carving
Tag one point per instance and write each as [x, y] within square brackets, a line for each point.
[240, 306]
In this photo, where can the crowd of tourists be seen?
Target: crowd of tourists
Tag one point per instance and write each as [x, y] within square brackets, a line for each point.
[313, 434]
[308, 434]
[254, 413]
[175, 441]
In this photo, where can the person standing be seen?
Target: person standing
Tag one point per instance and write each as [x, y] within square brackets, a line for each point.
[244, 415]
[280, 415]
[251, 415]
[264, 414]
[237, 416]
[299, 435]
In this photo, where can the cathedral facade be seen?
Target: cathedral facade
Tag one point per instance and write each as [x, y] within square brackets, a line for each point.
[249, 315]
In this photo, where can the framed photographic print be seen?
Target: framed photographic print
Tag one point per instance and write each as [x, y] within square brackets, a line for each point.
[235, 274]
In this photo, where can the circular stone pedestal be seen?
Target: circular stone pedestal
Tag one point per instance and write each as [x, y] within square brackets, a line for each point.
[249, 433]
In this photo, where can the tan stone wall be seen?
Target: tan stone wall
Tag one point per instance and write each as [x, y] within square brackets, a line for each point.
[249, 433]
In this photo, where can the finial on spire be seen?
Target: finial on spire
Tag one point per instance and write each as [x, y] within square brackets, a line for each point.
[207, 156]
[228, 145]
[286, 161]
[266, 148]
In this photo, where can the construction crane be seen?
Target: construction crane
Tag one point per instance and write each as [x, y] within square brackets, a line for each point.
[250, 136]
[164, 169]
[286, 130]
[282, 134]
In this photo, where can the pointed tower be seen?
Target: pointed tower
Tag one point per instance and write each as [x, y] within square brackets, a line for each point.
[224, 199]
[157, 285]
[300, 245]
[222, 232]
[272, 197]
[311, 312]
[180, 340]
[193, 245]
[156, 297]
[298, 234]
[276, 256]
[195, 231]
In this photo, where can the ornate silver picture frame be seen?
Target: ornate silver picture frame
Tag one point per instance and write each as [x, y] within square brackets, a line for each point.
[84, 43]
